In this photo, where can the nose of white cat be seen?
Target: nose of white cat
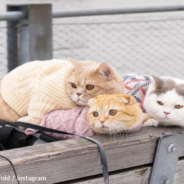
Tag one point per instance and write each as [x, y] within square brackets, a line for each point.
[166, 113]
[78, 94]
[102, 121]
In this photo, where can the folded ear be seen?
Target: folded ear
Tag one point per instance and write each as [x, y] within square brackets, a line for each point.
[74, 62]
[128, 99]
[158, 82]
[91, 101]
[104, 70]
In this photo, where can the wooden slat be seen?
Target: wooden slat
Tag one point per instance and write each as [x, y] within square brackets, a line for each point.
[135, 176]
[179, 176]
[77, 158]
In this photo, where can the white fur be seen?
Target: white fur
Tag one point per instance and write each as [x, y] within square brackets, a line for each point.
[169, 99]
[151, 122]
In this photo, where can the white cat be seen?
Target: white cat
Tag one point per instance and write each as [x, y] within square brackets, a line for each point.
[164, 102]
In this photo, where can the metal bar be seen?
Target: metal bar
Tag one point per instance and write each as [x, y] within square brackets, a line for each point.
[12, 16]
[12, 42]
[18, 15]
[31, 37]
[40, 32]
[110, 11]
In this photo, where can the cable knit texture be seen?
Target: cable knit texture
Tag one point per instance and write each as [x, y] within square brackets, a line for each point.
[38, 87]
[137, 86]
[73, 121]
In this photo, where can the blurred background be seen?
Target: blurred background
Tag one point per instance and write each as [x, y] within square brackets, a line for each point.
[147, 43]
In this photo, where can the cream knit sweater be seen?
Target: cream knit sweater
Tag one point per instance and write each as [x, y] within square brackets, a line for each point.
[38, 87]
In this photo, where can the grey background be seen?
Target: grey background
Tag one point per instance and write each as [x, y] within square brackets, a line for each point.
[151, 43]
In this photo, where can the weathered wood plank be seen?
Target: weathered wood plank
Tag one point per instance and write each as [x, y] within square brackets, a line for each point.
[135, 176]
[179, 176]
[78, 158]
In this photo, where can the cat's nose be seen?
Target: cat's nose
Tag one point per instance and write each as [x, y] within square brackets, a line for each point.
[166, 113]
[102, 121]
[78, 94]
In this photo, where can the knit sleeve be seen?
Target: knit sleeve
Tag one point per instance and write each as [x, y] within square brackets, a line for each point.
[39, 105]
[48, 89]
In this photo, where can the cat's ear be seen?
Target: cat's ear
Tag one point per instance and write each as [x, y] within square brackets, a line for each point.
[74, 62]
[104, 70]
[158, 82]
[91, 101]
[128, 99]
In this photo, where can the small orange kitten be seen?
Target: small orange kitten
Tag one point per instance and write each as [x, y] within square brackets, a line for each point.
[114, 113]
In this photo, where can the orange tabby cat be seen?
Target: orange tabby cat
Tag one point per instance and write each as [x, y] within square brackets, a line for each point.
[90, 79]
[114, 113]
[36, 88]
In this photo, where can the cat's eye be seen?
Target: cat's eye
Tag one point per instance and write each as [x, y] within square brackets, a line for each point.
[95, 114]
[113, 112]
[90, 87]
[160, 103]
[178, 106]
[73, 85]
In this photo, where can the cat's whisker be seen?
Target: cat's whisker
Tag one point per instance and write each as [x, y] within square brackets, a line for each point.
[116, 134]
[119, 135]
[123, 133]
[117, 141]
[122, 136]
[110, 135]
[113, 135]
[126, 135]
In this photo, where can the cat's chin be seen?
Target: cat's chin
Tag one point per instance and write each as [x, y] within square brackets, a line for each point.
[81, 103]
[104, 130]
[163, 119]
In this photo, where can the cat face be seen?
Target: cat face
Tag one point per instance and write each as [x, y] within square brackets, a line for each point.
[90, 79]
[113, 113]
[165, 101]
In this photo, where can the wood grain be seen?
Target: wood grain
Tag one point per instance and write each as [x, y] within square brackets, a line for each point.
[77, 158]
[135, 176]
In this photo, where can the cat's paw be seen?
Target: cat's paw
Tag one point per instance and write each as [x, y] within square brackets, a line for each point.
[151, 122]
[31, 120]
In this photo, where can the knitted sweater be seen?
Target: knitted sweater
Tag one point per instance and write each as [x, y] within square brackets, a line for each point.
[73, 121]
[137, 86]
[38, 87]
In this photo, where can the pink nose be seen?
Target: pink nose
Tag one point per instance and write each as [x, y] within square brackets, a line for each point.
[166, 113]
[102, 121]
[78, 94]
